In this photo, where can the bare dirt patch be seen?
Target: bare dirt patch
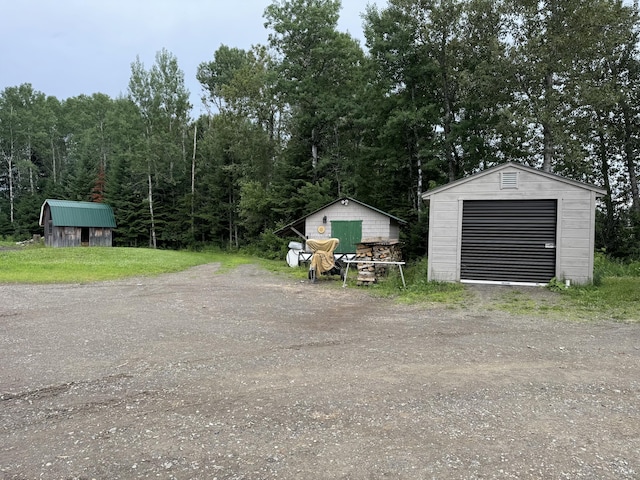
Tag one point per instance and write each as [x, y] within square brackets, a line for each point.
[248, 375]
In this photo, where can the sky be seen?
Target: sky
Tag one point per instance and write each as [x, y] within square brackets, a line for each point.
[65, 48]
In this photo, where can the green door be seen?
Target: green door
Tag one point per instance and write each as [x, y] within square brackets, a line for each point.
[349, 232]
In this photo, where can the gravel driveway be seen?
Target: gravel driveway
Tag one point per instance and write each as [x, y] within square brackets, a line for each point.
[250, 375]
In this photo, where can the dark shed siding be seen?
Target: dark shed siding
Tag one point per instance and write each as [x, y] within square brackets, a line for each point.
[509, 240]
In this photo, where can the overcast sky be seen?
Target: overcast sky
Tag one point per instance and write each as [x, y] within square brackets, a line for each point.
[65, 48]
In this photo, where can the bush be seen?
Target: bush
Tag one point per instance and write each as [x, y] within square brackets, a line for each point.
[268, 246]
[7, 240]
[605, 266]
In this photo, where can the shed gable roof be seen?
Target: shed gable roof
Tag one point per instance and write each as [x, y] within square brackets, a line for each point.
[66, 213]
[551, 176]
[296, 224]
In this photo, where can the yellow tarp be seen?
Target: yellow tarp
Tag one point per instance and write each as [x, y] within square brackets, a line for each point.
[322, 259]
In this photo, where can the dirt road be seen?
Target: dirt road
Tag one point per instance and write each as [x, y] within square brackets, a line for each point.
[248, 375]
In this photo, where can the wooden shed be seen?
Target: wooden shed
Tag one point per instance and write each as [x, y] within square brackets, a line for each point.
[348, 220]
[512, 224]
[74, 224]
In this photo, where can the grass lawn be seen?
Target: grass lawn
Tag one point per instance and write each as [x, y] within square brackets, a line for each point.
[82, 265]
[616, 298]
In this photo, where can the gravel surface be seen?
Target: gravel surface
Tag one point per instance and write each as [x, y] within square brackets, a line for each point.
[250, 375]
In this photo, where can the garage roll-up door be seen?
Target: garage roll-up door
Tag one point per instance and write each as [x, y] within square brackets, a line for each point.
[508, 240]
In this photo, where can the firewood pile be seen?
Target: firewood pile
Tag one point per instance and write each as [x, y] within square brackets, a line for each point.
[375, 251]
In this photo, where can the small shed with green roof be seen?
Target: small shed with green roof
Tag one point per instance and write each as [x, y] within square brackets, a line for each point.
[74, 224]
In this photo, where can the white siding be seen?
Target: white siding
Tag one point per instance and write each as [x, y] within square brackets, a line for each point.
[374, 224]
[444, 249]
[576, 221]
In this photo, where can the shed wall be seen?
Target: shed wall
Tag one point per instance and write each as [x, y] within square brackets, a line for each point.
[72, 237]
[100, 237]
[575, 231]
[374, 224]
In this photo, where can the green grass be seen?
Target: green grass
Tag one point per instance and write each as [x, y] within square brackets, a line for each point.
[417, 290]
[614, 295]
[616, 298]
[82, 265]
[528, 301]
[282, 268]
[605, 267]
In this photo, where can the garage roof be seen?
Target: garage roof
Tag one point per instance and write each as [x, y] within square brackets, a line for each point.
[65, 213]
[426, 196]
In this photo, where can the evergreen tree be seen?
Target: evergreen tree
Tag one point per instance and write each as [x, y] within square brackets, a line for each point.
[319, 78]
[163, 103]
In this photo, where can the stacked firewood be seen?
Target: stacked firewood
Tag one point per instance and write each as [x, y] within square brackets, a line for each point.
[375, 251]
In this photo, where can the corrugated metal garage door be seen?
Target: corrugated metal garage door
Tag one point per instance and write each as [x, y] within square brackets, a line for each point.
[508, 240]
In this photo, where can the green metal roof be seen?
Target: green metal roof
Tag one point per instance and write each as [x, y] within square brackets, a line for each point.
[65, 213]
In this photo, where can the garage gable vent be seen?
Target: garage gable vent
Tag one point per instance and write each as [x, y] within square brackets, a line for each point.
[509, 180]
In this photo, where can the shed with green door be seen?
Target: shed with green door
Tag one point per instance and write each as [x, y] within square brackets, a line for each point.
[348, 220]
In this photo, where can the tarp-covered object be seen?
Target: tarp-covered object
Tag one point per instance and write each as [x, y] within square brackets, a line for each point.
[322, 259]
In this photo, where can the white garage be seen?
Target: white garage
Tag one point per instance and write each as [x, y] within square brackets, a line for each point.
[512, 224]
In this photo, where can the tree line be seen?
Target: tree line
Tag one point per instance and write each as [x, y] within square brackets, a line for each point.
[440, 90]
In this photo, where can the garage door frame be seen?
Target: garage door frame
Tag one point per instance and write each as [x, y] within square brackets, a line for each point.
[508, 242]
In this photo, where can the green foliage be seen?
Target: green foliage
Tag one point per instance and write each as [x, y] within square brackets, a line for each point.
[7, 241]
[614, 293]
[418, 288]
[163, 108]
[616, 298]
[268, 247]
[605, 266]
[28, 209]
[320, 77]
[444, 89]
[6, 228]
[556, 285]
[279, 267]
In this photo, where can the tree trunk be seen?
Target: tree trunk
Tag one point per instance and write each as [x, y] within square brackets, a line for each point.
[53, 161]
[448, 144]
[31, 184]
[314, 150]
[630, 159]
[32, 187]
[416, 139]
[230, 197]
[605, 167]
[547, 134]
[154, 243]
[11, 194]
[419, 191]
[10, 172]
[193, 179]
[548, 147]
[236, 236]
[448, 111]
